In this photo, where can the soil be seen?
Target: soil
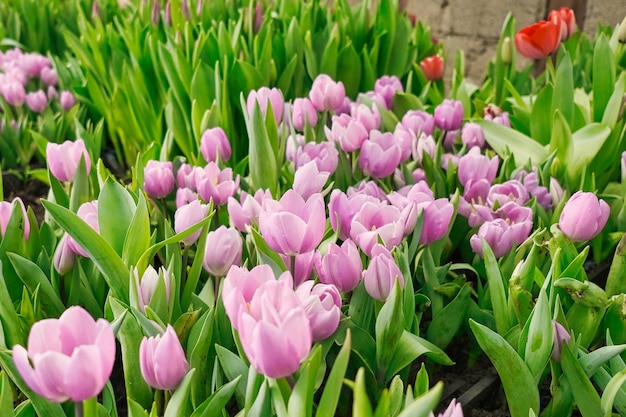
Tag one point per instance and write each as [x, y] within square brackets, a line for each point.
[30, 191]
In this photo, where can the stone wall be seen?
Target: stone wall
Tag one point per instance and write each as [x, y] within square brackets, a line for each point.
[474, 25]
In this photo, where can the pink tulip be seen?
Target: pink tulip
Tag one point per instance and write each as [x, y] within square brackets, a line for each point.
[158, 179]
[405, 139]
[453, 410]
[437, 217]
[214, 144]
[217, 185]
[240, 285]
[475, 166]
[188, 176]
[162, 360]
[88, 212]
[326, 94]
[67, 100]
[244, 213]
[340, 266]
[308, 180]
[380, 155]
[387, 86]
[374, 222]
[418, 122]
[473, 205]
[265, 96]
[303, 110]
[64, 257]
[185, 196]
[186, 216]
[531, 182]
[472, 135]
[584, 216]
[508, 191]
[223, 250]
[368, 188]
[322, 304]
[449, 115]
[367, 115]
[293, 225]
[300, 266]
[347, 131]
[560, 335]
[343, 208]
[71, 358]
[500, 235]
[63, 159]
[275, 331]
[424, 144]
[37, 101]
[325, 156]
[146, 286]
[294, 143]
[6, 210]
[381, 274]
[49, 76]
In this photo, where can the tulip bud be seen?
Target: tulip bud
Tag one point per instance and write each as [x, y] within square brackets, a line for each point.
[560, 335]
[340, 266]
[433, 67]
[158, 179]
[223, 250]
[96, 12]
[326, 94]
[621, 36]
[449, 115]
[148, 285]
[155, 13]
[162, 360]
[64, 258]
[214, 145]
[184, 8]
[187, 215]
[381, 274]
[63, 159]
[506, 53]
[168, 14]
[6, 210]
[583, 217]
[67, 100]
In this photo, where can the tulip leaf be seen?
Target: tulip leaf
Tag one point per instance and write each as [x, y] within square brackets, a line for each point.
[411, 347]
[135, 409]
[198, 345]
[587, 143]
[448, 321]
[593, 361]
[519, 384]
[6, 395]
[42, 406]
[101, 253]
[9, 320]
[585, 394]
[603, 76]
[611, 391]
[563, 97]
[301, 398]
[361, 405]
[35, 280]
[536, 340]
[561, 139]
[505, 140]
[137, 238]
[613, 106]
[179, 404]
[233, 366]
[213, 406]
[267, 255]
[349, 70]
[496, 290]
[389, 326]
[423, 405]
[327, 405]
[262, 406]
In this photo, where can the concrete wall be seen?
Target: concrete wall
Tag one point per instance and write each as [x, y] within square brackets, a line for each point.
[474, 25]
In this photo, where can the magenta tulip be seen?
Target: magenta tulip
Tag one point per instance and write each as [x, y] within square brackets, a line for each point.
[560, 335]
[37, 101]
[347, 131]
[325, 155]
[367, 115]
[300, 266]
[69, 358]
[63, 159]
[472, 135]
[308, 180]
[162, 360]
[64, 257]
[437, 217]
[584, 216]
[418, 122]
[374, 222]
[246, 211]
[67, 100]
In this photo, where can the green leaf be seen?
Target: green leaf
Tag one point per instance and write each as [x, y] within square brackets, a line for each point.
[561, 139]
[9, 320]
[137, 239]
[424, 404]
[179, 404]
[327, 405]
[585, 394]
[35, 280]
[587, 143]
[538, 337]
[214, 405]
[610, 392]
[6, 395]
[563, 97]
[496, 290]
[101, 253]
[233, 367]
[411, 347]
[519, 384]
[603, 76]
[361, 406]
[389, 327]
[614, 105]
[448, 321]
[198, 347]
[505, 140]
[301, 399]
[267, 255]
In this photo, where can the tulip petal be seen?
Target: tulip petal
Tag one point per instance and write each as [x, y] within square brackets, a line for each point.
[170, 364]
[84, 375]
[77, 327]
[45, 335]
[50, 370]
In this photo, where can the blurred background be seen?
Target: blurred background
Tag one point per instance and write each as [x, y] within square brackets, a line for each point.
[474, 26]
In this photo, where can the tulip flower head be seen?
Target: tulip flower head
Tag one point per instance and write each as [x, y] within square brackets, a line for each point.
[69, 358]
[322, 304]
[584, 216]
[303, 111]
[453, 410]
[387, 86]
[88, 212]
[214, 145]
[538, 40]
[340, 266]
[564, 16]
[162, 360]
[223, 250]
[432, 67]
[381, 274]
[63, 159]
[449, 115]
[187, 215]
[327, 94]
[6, 210]
[148, 285]
[266, 96]
[560, 335]
[217, 185]
[158, 179]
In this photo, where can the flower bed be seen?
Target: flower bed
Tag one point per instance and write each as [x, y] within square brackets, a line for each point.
[287, 211]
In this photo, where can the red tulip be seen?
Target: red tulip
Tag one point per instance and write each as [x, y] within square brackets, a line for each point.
[565, 17]
[432, 67]
[538, 40]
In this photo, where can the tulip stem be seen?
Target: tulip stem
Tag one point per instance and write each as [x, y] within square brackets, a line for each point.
[86, 408]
